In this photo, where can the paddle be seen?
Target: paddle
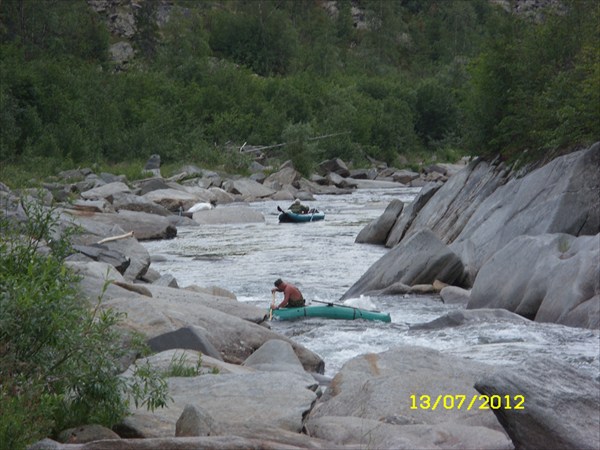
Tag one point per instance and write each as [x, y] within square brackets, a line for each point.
[345, 306]
[272, 305]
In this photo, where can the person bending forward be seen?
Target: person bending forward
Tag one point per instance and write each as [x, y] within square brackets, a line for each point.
[292, 297]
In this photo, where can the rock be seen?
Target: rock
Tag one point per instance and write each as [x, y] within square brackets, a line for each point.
[191, 338]
[559, 407]
[153, 165]
[276, 355]
[103, 254]
[257, 399]
[229, 215]
[409, 213]
[106, 191]
[131, 202]
[453, 295]
[461, 317]
[369, 403]
[336, 166]
[194, 421]
[404, 176]
[287, 175]
[546, 278]
[170, 309]
[377, 231]
[560, 197]
[100, 225]
[86, 433]
[167, 280]
[376, 184]
[172, 199]
[247, 188]
[421, 259]
[151, 184]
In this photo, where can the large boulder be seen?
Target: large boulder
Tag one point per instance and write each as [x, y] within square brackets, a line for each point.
[452, 206]
[247, 188]
[106, 191]
[409, 213]
[377, 231]
[547, 278]
[376, 401]
[144, 226]
[552, 405]
[421, 259]
[560, 197]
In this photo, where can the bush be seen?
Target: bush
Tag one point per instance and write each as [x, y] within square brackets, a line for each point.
[59, 355]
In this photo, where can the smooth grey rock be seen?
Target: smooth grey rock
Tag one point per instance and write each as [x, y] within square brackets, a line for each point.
[247, 188]
[421, 259]
[101, 253]
[461, 317]
[454, 295]
[255, 399]
[191, 338]
[195, 421]
[86, 433]
[335, 165]
[409, 213]
[547, 278]
[448, 211]
[106, 191]
[172, 199]
[560, 197]
[377, 231]
[369, 402]
[560, 405]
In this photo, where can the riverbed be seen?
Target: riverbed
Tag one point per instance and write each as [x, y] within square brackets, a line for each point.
[322, 259]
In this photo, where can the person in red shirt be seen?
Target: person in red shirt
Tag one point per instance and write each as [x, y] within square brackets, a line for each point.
[292, 297]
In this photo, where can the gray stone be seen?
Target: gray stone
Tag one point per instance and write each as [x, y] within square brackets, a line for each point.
[454, 295]
[247, 188]
[106, 191]
[461, 317]
[86, 433]
[335, 165]
[560, 197]
[191, 337]
[547, 278]
[377, 231]
[195, 421]
[377, 389]
[559, 408]
[409, 213]
[421, 259]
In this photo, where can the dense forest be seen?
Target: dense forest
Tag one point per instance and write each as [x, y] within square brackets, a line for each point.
[413, 79]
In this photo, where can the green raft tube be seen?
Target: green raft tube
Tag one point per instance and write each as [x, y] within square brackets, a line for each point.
[330, 311]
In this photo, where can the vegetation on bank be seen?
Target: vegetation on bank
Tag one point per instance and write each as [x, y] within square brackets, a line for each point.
[60, 356]
[422, 78]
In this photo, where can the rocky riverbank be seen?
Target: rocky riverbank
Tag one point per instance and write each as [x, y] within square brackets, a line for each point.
[257, 389]
[528, 243]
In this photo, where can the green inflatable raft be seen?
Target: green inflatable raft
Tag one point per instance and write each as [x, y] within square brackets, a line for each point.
[330, 311]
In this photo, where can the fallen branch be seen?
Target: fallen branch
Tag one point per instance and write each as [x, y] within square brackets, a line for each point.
[116, 238]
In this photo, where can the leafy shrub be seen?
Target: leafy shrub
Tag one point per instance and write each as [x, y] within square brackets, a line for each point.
[59, 355]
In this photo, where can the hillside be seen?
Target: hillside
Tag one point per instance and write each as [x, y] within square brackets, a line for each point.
[112, 81]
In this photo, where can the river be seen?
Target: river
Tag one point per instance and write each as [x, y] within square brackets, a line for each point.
[322, 259]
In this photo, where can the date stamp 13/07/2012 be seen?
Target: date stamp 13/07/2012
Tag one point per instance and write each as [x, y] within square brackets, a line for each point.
[468, 402]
